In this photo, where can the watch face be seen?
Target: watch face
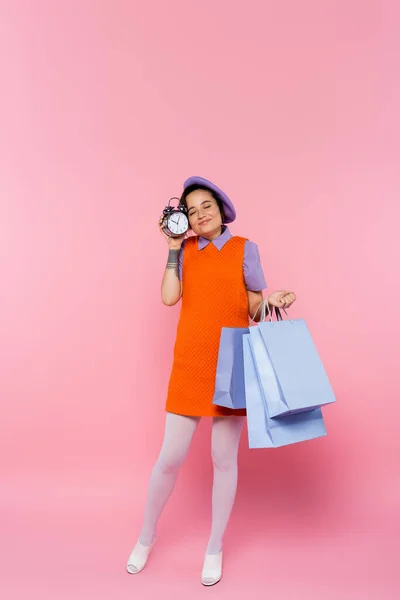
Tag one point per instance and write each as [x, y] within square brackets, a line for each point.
[177, 223]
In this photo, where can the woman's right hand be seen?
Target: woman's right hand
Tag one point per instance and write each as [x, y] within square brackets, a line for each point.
[174, 243]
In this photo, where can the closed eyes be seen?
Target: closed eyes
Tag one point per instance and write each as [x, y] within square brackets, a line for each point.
[193, 212]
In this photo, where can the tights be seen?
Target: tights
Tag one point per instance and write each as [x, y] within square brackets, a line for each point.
[179, 431]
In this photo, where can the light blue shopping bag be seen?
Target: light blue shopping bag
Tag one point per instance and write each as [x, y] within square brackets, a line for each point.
[229, 381]
[291, 372]
[264, 432]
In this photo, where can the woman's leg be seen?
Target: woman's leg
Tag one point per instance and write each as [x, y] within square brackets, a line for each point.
[179, 431]
[224, 450]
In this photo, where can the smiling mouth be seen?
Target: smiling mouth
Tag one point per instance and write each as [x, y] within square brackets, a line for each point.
[204, 222]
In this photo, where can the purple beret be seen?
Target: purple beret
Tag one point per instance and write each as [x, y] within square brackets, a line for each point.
[229, 209]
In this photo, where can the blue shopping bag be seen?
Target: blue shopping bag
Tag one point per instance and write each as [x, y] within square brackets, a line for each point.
[229, 381]
[291, 372]
[264, 432]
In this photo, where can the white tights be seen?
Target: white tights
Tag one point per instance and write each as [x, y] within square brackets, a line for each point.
[179, 431]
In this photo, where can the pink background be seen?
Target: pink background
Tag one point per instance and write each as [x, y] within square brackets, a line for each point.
[106, 107]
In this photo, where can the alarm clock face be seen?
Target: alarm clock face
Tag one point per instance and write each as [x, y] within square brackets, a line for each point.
[177, 223]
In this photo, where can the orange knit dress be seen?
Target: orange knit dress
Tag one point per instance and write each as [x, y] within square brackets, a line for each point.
[214, 295]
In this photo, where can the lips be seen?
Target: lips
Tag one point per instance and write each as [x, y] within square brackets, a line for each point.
[204, 222]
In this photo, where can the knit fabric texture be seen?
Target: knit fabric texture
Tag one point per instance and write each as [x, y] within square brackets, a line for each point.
[214, 296]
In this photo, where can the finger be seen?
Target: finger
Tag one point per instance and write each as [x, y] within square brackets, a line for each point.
[166, 236]
[289, 300]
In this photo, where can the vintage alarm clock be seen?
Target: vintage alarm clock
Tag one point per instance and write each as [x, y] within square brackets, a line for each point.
[175, 222]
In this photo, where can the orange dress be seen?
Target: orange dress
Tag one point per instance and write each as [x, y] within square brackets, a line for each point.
[214, 296]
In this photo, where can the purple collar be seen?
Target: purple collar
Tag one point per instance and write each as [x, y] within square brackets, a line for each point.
[219, 242]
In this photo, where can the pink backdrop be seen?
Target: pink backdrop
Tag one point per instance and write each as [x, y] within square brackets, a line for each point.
[105, 108]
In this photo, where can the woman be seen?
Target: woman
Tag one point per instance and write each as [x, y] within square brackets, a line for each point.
[220, 280]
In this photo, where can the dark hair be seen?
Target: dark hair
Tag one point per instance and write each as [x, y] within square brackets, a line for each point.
[195, 187]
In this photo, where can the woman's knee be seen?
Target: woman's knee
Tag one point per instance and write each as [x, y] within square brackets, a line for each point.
[169, 463]
[225, 442]
[224, 459]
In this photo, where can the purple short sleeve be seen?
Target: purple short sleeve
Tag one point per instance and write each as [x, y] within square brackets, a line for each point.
[253, 272]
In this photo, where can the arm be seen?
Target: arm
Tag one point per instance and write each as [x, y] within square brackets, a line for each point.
[254, 278]
[171, 286]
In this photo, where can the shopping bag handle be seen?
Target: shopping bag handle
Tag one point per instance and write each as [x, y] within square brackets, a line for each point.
[265, 307]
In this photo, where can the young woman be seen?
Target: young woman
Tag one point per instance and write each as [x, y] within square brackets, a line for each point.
[220, 280]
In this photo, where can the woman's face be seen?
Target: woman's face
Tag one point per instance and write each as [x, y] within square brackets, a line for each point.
[204, 214]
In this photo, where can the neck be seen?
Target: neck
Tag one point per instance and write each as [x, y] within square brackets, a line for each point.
[214, 234]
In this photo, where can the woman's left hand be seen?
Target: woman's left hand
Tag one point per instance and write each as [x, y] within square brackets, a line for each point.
[281, 299]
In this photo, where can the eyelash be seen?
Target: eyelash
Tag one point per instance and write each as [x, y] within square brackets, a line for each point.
[206, 206]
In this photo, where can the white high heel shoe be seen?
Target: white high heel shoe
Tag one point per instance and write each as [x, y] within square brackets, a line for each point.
[212, 569]
[138, 558]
